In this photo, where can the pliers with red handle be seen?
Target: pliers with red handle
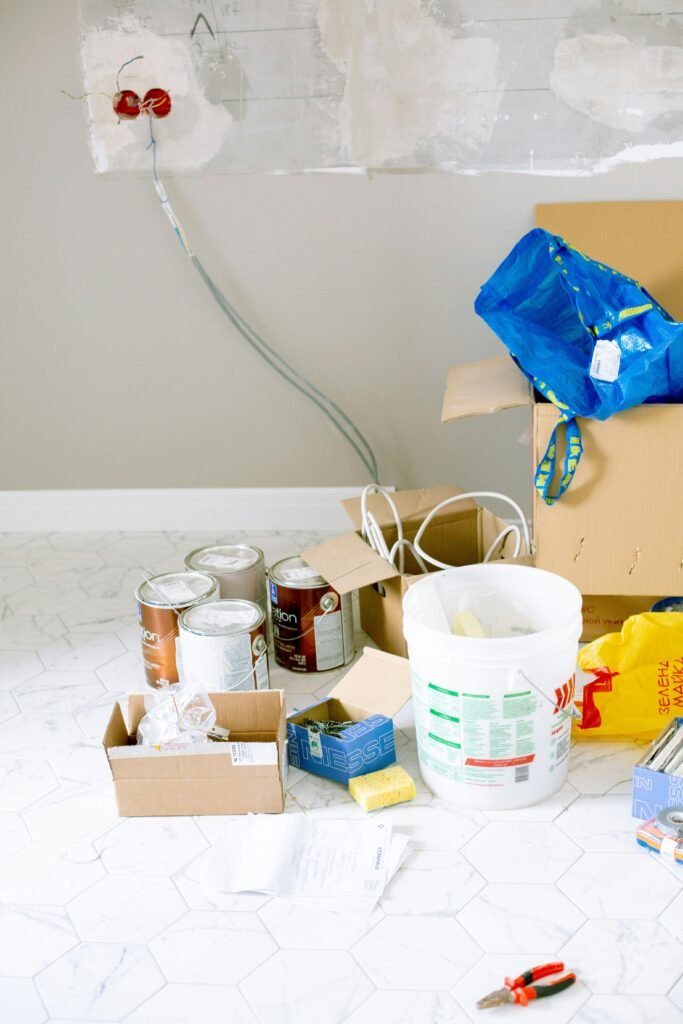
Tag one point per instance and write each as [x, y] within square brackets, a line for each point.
[522, 989]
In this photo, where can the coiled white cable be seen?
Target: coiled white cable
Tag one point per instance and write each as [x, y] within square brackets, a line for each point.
[372, 532]
[501, 536]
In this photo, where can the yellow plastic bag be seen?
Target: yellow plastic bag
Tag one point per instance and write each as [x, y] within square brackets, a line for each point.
[635, 679]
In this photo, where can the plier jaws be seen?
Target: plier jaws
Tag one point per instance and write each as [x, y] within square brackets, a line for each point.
[523, 989]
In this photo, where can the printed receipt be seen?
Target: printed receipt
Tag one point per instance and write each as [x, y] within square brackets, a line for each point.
[292, 856]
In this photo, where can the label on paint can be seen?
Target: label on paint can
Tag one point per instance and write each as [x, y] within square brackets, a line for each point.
[329, 642]
[224, 562]
[224, 619]
[238, 672]
[176, 592]
[312, 627]
[305, 572]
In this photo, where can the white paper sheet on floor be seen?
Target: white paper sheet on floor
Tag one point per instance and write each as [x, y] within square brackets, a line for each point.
[335, 865]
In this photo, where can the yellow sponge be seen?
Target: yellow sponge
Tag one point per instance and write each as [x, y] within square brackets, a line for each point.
[383, 788]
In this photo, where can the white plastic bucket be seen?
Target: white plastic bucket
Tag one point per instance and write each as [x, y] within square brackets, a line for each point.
[493, 715]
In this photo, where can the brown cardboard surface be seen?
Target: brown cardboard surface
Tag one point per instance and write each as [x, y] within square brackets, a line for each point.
[485, 386]
[381, 614]
[378, 682]
[169, 797]
[641, 239]
[348, 563]
[607, 613]
[412, 506]
[619, 527]
[202, 783]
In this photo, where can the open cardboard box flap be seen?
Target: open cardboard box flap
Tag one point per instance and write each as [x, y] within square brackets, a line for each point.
[412, 506]
[485, 386]
[378, 682]
[348, 563]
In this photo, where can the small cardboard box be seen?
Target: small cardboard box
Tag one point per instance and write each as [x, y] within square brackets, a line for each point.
[654, 791]
[460, 535]
[245, 774]
[618, 531]
[370, 694]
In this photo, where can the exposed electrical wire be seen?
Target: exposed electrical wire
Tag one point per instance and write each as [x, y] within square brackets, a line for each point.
[327, 406]
[125, 64]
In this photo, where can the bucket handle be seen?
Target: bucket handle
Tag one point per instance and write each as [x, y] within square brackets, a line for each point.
[568, 711]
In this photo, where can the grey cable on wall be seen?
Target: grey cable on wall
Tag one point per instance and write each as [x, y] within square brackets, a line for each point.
[327, 406]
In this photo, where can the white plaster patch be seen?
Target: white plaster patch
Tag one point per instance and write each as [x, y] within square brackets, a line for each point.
[618, 82]
[188, 138]
[408, 80]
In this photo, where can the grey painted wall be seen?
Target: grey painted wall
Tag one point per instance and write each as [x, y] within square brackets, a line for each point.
[119, 371]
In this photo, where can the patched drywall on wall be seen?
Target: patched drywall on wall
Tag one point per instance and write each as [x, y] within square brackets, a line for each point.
[412, 89]
[543, 86]
[618, 82]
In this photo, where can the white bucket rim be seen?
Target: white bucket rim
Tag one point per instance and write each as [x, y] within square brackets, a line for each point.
[496, 647]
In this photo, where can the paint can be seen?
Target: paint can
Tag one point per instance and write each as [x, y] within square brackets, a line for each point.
[160, 601]
[239, 569]
[223, 646]
[312, 623]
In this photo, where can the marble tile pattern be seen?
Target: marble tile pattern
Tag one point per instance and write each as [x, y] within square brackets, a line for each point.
[106, 919]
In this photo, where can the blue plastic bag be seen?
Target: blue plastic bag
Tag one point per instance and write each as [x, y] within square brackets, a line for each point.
[590, 339]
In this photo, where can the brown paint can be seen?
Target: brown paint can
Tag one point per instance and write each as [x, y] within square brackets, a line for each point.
[160, 601]
[312, 623]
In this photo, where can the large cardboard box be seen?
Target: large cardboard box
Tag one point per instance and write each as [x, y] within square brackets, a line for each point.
[370, 694]
[618, 530]
[245, 774]
[459, 535]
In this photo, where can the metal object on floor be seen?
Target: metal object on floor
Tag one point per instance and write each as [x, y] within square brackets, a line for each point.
[522, 990]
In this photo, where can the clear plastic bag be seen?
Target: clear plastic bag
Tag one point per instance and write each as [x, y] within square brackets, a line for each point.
[174, 710]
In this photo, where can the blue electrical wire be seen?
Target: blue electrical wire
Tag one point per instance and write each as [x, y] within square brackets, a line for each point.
[325, 404]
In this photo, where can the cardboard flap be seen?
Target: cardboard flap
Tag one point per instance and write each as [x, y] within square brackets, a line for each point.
[348, 563]
[412, 506]
[378, 682]
[486, 386]
[116, 733]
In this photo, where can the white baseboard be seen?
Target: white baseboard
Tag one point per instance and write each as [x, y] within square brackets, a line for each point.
[191, 509]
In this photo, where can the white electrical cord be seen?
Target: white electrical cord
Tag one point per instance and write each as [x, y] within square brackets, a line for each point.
[501, 536]
[372, 532]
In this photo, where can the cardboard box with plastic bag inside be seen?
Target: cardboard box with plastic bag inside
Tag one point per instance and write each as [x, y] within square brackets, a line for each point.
[617, 533]
[246, 774]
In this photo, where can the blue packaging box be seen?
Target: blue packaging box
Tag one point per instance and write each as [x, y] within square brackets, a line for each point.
[372, 691]
[652, 790]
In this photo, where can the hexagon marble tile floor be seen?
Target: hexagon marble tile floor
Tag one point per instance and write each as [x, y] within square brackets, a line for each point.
[107, 919]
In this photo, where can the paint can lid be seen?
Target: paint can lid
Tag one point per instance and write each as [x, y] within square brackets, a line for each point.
[224, 558]
[176, 589]
[222, 618]
[295, 572]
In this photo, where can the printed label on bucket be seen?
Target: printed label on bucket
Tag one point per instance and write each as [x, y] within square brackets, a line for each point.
[484, 739]
[476, 738]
